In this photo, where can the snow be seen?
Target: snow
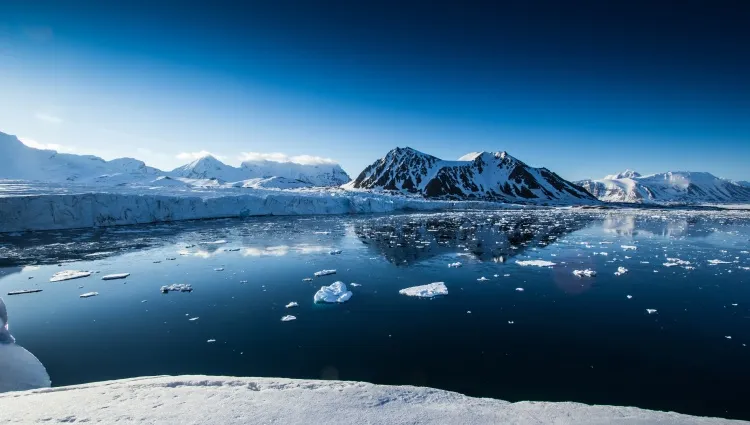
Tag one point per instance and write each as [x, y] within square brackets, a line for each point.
[69, 275]
[89, 294]
[182, 399]
[19, 369]
[335, 293]
[586, 273]
[324, 273]
[288, 318]
[292, 304]
[425, 291]
[537, 263]
[115, 276]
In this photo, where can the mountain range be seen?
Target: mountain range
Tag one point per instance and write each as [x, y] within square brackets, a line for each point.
[669, 187]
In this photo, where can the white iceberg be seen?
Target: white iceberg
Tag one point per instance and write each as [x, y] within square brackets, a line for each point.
[324, 273]
[19, 369]
[621, 271]
[292, 304]
[425, 291]
[519, 289]
[335, 293]
[69, 275]
[89, 294]
[650, 310]
[482, 279]
[537, 263]
[288, 318]
[115, 276]
[587, 273]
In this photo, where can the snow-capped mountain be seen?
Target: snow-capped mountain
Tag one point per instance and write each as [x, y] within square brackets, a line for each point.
[18, 161]
[479, 175]
[313, 174]
[669, 187]
[290, 173]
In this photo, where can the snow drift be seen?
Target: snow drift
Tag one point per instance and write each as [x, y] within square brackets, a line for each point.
[183, 400]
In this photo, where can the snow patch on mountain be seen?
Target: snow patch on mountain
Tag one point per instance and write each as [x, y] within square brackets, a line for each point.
[669, 187]
[478, 175]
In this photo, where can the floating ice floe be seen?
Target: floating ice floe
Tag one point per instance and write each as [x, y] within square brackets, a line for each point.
[519, 289]
[715, 262]
[650, 310]
[587, 273]
[425, 291]
[210, 341]
[629, 296]
[335, 252]
[219, 269]
[672, 262]
[629, 247]
[457, 264]
[115, 276]
[510, 322]
[621, 271]
[232, 249]
[292, 304]
[335, 293]
[307, 279]
[69, 275]
[482, 279]
[24, 291]
[193, 319]
[179, 287]
[219, 242]
[538, 263]
[324, 273]
[89, 294]
[728, 337]
[288, 318]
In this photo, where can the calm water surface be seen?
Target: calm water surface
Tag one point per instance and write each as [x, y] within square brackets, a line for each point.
[562, 338]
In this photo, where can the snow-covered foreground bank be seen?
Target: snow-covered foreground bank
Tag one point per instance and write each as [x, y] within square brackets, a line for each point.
[26, 207]
[225, 400]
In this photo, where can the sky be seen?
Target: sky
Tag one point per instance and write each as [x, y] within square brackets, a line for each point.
[584, 88]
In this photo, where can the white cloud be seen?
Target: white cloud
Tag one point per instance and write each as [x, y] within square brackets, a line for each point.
[192, 156]
[282, 157]
[48, 118]
[49, 146]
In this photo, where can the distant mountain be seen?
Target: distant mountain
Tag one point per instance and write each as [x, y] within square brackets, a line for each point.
[20, 162]
[669, 187]
[480, 175]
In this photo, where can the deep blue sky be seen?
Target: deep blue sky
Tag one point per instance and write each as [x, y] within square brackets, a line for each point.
[585, 88]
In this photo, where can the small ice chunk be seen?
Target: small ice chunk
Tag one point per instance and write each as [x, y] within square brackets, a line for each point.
[629, 296]
[354, 284]
[456, 265]
[115, 276]
[335, 293]
[171, 258]
[587, 273]
[89, 294]
[621, 271]
[425, 291]
[68, 275]
[219, 242]
[180, 287]
[538, 263]
[650, 310]
[24, 291]
[519, 289]
[482, 279]
[193, 319]
[335, 252]
[211, 340]
[219, 269]
[232, 249]
[728, 337]
[715, 262]
[510, 322]
[324, 273]
[307, 279]
[288, 318]
[629, 247]
[292, 304]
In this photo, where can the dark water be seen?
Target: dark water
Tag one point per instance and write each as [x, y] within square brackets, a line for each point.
[572, 339]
